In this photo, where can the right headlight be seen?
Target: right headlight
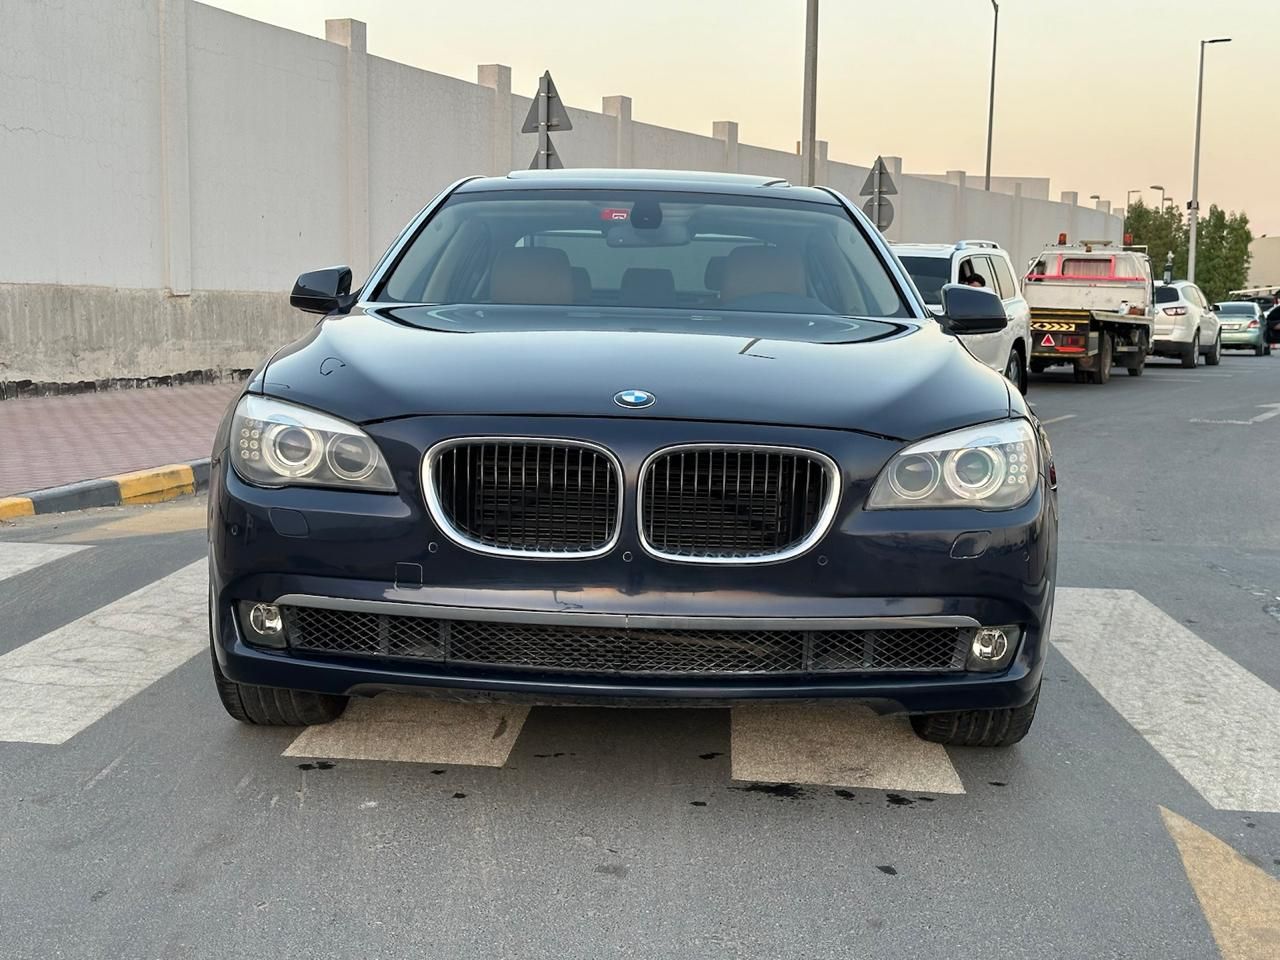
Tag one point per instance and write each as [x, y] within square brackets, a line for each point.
[994, 466]
[277, 444]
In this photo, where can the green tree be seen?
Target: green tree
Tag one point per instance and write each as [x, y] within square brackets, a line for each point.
[1159, 231]
[1222, 253]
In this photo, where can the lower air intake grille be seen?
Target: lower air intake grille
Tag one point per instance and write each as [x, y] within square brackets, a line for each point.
[528, 497]
[729, 504]
[620, 650]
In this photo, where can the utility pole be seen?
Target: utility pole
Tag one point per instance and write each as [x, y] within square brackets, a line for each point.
[991, 105]
[809, 112]
[1193, 207]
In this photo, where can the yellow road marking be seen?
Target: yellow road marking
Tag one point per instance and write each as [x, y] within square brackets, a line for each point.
[156, 485]
[1240, 901]
[11, 507]
[416, 730]
[186, 516]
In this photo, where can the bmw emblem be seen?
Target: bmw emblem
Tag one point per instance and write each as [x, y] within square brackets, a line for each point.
[634, 399]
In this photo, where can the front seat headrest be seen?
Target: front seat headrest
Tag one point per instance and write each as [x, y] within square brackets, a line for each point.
[539, 275]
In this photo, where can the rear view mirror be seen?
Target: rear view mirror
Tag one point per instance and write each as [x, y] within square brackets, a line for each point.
[323, 291]
[972, 310]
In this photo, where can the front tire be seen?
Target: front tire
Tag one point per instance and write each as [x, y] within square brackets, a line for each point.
[275, 706]
[1214, 356]
[977, 728]
[1015, 370]
[1191, 353]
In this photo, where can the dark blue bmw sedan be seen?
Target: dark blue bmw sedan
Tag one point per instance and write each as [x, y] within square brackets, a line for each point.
[625, 436]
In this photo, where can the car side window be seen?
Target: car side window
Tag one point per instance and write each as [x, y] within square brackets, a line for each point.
[1004, 277]
[979, 268]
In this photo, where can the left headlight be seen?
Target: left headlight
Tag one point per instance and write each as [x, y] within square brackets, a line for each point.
[276, 444]
[994, 466]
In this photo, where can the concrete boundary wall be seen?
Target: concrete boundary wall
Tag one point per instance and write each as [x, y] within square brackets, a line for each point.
[168, 168]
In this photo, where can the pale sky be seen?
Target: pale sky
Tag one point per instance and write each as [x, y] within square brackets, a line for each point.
[1098, 95]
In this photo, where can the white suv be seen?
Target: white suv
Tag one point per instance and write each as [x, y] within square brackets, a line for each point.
[981, 263]
[1186, 325]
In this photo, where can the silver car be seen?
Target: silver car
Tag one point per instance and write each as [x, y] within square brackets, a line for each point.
[1243, 327]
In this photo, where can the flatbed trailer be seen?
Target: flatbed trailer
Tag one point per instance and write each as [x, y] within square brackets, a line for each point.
[1092, 307]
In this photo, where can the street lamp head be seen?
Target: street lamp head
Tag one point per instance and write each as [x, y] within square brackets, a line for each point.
[1095, 196]
[1155, 186]
[1217, 40]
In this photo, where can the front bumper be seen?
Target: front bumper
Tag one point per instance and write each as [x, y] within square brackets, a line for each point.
[352, 549]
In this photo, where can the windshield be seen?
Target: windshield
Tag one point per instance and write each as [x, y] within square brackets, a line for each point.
[684, 252]
[930, 275]
[1238, 309]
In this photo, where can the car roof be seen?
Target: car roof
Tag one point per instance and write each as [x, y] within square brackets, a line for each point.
[680, 181]
[942, 251]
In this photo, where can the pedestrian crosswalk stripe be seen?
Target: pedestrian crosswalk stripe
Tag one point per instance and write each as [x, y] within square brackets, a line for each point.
[57, 685]
[839, 745]
[1211, 719]
[16, 558]
[416, 730]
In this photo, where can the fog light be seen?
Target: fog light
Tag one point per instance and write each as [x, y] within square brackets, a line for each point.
[989, 643]
[992, 647]
[263, 624]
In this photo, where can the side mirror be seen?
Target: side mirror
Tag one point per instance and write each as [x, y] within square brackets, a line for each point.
[323, 291]
[972, 310]
[1216, 307]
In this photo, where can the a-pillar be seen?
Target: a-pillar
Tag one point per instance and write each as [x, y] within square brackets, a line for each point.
[497, 77]
[619, 108]
[352, 35]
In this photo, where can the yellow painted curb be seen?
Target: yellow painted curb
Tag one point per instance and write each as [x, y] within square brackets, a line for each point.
[11, 507]
[157, 484]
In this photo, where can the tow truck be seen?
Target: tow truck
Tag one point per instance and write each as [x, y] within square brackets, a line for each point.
[1092, 307]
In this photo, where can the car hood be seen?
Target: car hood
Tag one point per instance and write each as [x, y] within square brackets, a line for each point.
[376, 365]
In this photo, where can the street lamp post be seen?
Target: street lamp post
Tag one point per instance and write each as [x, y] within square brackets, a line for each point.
[1194, 206]
[1156, 186]
[809, 112]
[991, 103]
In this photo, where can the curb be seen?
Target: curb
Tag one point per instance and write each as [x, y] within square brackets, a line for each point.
[142, 486]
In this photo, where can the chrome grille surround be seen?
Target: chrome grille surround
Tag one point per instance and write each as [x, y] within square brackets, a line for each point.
[500, 544]
[647, 500]
[688, 647]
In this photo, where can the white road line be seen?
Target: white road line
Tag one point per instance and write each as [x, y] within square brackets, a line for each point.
[841, 745]
[1273, 410]
[1065, 416]
[1212, 720]
[416, 730]
[56, 686]
[16, 558]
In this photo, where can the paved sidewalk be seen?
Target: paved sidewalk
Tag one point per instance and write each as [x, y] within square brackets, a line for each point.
[47, 441]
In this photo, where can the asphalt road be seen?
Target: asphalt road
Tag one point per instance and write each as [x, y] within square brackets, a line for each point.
[1140, 819]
